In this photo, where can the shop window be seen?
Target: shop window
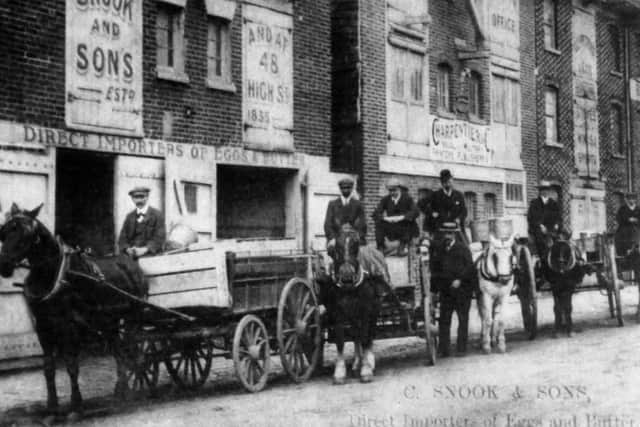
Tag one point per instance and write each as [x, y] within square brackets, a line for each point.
[471, 202]
[490, 205]
[617, 132]
[170, 41]
[443, 87]
[191, 197]
[514, 192]
[407, 109]
[616, 47]
[253, 202]
[218, 53]
[550, 24]
[551, 114]
[505, 100]
[474, 94]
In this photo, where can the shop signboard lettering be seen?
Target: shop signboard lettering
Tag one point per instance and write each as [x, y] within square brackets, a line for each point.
[586, 140]
[503, 18]
[268, 79]
[460, 142]
[103, 71]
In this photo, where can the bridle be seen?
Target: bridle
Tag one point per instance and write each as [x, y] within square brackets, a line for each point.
[361, 271]
[573, 258]
[488, 270]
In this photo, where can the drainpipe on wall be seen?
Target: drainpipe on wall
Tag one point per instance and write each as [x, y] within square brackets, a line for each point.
[627, 101]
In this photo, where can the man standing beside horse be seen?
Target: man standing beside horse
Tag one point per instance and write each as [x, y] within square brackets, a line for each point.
[628, 218]
[447, 205]
[453, 278]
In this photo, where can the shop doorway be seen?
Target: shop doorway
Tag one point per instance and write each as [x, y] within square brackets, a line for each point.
[84, 200]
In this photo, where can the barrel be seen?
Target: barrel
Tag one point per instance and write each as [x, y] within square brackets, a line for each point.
[501, 228]
[480, 230]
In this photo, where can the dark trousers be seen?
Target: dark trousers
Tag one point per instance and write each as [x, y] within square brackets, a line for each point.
[393, 231]
[460, 302]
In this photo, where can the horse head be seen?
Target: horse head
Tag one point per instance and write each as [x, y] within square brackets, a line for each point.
[347, 272]
[499, 260]
[563, 256]
[19, 235]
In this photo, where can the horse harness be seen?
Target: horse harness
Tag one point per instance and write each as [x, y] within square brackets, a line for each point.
[488, 270]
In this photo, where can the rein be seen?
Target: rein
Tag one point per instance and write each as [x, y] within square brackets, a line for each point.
[490, 276]
[361, 278]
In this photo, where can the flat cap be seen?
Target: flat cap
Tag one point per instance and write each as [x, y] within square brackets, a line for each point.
[139, 190]
[445, 174]
[449, 227]
[346, 182]
[396, 182]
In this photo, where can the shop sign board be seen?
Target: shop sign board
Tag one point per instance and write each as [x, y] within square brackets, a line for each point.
[103, 66]
[267, 41]
[460, 141]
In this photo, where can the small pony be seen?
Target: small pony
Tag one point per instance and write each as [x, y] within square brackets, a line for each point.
[496, 266]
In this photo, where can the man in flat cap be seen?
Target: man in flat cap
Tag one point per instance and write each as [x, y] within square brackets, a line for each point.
[395, 217]
[346, 209]
[143, 230]
[447, 204]
[628, 218]
[544, 217]
[454, 278]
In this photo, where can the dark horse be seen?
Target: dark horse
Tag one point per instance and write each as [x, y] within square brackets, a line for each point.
[564, 269]
[66, 305]
[352, 300]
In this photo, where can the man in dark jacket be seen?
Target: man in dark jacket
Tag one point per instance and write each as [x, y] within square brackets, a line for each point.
[453, 277]
[448, 205]
[425, 197]
[143, 231]
[544, 217]
[395, 217]
[346, 209]
[628, 218]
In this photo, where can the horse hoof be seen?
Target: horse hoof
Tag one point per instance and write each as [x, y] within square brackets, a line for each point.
[554, 334]
[502, 349]
[338, 381]
[486, 349]
[366, 378]
[571, 334]
[74, 417]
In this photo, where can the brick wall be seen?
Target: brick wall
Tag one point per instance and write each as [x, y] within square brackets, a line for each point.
[555, 69]
[528, 111]
[34, 91]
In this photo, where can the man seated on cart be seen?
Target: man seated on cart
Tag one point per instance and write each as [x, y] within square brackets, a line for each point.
[447, 205]
[143, 230]
[454, 278]
[395, 218]
[544, 217]
[628, 218]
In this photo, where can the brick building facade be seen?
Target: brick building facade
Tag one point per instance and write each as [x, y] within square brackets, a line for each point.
[416, 92]
[583, 75]
[221, 108]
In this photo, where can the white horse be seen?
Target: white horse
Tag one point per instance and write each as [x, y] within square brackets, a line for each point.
[496, 278]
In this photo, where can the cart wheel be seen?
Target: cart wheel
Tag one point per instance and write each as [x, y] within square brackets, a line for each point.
[251, 354]
[430, 330]
[613, 283]
[299, 330]
[527, 292]
[138, 355]
[190, 366]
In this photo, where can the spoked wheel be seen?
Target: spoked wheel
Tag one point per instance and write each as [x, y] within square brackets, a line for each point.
[138, 354]
[190, 365]
[251, 353]
[613, 284]
[299, 330]
[527, 293]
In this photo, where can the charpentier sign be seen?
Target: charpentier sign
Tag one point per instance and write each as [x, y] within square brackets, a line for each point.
[104, 66]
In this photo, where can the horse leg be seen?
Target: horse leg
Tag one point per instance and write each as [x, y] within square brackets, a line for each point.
[71, 361]
[557, 313]
[340, 370]
[498, 322]
[368, 299]
[486, 302]
[49, 365]
[357, 356]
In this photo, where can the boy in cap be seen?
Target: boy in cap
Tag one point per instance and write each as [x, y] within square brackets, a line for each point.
[447, 204]
[628, 218]
[346, 209]
[544, 216]
[395, 217]
[453, 277]
[143, 230]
